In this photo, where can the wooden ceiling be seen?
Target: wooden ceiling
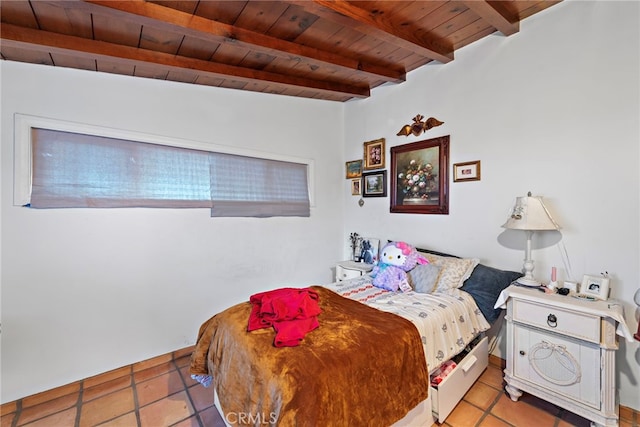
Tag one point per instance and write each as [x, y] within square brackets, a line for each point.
[333, 50]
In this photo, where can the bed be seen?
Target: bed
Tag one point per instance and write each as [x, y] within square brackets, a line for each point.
[372, 359]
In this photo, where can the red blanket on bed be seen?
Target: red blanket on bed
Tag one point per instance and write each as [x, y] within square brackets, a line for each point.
[292, 313]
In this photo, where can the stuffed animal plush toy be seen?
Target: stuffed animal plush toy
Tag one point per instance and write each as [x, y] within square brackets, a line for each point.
[396, 258]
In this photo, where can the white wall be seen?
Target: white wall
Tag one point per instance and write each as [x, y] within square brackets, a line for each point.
[554, 110]
[85, 291]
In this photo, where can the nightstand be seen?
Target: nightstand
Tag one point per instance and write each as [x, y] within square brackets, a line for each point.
[351, 269]
[562, 349]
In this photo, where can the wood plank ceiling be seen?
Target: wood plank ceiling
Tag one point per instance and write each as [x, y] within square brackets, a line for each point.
[333, 50]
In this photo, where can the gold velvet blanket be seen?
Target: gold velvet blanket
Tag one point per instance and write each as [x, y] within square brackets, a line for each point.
[361, 367]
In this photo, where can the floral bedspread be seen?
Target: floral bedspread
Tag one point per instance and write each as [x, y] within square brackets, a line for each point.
[447, 322]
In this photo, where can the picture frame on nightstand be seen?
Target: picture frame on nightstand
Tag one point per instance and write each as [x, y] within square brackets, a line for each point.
[594, 287]
[370, 250]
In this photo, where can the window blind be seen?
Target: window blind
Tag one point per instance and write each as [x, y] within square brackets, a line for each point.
[246, 186]
[71, 170]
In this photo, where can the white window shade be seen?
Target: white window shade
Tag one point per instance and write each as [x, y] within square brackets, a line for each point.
[246, 186]
[69, 169]
[74, 170]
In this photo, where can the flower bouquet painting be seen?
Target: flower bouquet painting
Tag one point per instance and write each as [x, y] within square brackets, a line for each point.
[419, 173]
[418, 182]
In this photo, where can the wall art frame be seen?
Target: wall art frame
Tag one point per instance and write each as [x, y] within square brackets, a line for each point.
[374, 152]
[467, 171]
[594, 286]
[354, 169]
[420, 178]
[356, 186]
[374, 184]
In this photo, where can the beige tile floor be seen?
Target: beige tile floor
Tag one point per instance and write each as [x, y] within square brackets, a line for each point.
[159, 392]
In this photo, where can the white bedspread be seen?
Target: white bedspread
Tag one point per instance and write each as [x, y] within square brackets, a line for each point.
[447, 322]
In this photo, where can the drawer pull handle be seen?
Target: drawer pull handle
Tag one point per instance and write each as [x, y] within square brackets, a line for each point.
[472, 361]
[522, 353]
[552, 320]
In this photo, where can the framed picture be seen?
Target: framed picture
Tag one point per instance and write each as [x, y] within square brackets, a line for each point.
[419, 177]
[354, 169]
[469, 171]
[595, 287]
[369, 250]
[374, 184]
[374, 154]
[355, 186]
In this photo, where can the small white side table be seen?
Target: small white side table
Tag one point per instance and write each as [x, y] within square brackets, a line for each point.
[351, 269]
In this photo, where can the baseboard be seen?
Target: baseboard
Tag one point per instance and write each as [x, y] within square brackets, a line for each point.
[496, 361]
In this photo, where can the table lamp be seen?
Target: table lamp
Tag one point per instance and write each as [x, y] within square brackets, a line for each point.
[529, 214]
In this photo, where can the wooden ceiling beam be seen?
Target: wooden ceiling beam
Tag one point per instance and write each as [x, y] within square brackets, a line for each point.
[494, 17]
[169, 19]
[38, 40]
[379, 27]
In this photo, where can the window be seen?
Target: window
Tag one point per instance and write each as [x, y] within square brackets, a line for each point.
[81, 166]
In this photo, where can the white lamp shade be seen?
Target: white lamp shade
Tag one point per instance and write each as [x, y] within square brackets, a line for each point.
[529, 213]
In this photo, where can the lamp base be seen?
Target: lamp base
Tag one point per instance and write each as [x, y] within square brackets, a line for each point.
[528, 282]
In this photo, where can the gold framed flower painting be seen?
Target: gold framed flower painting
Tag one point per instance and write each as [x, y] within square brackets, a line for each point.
[374, 154]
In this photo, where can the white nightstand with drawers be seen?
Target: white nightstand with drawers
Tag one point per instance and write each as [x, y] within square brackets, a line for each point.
[351, 269]
[562, 349]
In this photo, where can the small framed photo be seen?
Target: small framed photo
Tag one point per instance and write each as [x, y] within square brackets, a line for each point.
[374, 184]
[354, 169]
[369, 250]
[374, 154]
[355, 186]
[595, 287]
[468, 171]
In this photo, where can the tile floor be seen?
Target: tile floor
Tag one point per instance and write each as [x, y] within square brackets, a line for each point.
[159, 392]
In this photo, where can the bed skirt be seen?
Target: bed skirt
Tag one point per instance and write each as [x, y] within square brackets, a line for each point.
[421, 415]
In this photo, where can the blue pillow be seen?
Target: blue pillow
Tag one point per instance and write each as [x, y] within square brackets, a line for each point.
[485, 285]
